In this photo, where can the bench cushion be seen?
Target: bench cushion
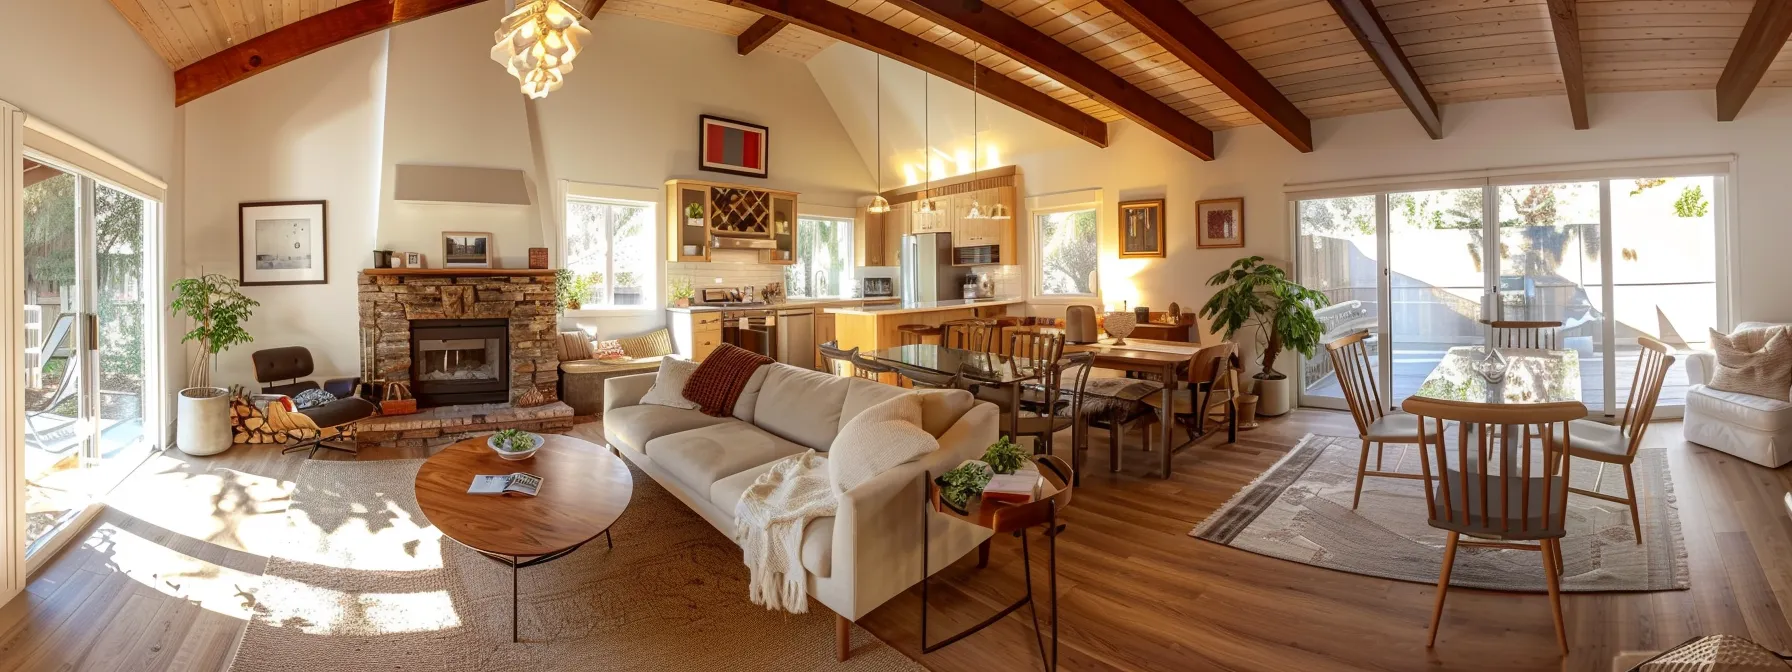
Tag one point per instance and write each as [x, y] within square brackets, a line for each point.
[1757, 413]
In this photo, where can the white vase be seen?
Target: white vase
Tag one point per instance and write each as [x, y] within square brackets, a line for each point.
[203, 427]
[1272, 396]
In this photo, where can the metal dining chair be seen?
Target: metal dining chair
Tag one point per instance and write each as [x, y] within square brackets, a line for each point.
[1071, 376]
[1355, 370]
[1539, 335]
[1037, 346]
[859, 366]
[1618, 444]
[969, 334]
[1523, 507]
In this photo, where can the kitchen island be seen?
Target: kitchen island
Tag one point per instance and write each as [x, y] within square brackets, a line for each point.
[871, 328]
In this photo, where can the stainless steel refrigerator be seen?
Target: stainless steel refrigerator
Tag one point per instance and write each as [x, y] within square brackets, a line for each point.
[927, 270]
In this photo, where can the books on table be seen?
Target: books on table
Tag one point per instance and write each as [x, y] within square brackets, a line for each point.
[1020, 488]
[504, 484]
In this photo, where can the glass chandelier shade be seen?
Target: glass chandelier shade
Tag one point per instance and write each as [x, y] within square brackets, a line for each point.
[537, 42]
[878, 204]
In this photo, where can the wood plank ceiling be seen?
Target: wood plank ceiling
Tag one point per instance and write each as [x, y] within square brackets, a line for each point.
[1461, 50]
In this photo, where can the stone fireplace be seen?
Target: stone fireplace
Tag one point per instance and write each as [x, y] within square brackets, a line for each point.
[460, 361]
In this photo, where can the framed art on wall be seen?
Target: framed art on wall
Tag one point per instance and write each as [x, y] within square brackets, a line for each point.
[1219, 223]
[282, 243]
[466, 249]
[1142, 228]
[733, 147]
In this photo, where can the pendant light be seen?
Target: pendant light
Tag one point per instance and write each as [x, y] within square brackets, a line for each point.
[537, 42]
[879, 204]
[927, 206]
[976, 211]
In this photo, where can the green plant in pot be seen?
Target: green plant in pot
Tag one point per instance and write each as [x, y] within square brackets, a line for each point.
[680, 291]
[1257, 295]
[218, 311]
[571, 289]
[1005, 456]
[694, 211]
[962, 482]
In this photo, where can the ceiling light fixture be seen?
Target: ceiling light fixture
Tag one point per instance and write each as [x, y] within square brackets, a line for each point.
[976, 211]
[537, 42]
[927, 206]
[879, 204]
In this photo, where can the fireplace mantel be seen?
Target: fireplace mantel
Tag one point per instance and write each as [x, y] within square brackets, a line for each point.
[391, 298]
[463, 272]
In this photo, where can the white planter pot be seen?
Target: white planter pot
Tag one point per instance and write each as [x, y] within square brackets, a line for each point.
[1273, 397]
[203, 427]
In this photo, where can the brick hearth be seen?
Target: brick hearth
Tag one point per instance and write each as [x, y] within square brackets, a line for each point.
[447, 424]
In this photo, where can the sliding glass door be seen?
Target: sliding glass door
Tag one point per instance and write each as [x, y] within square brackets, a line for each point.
[1610, 258]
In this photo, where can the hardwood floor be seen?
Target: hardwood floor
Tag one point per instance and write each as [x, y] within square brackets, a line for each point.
[159, 581]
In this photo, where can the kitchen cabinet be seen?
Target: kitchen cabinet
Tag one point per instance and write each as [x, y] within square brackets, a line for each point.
[702, 216]
[784, 224]
[975, 242]
[824, 333]
[695, 334]
[878, 240]
[921, 222]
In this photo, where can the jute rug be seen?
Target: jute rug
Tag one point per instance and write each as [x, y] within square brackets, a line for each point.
[365, 583]
[1300, 510]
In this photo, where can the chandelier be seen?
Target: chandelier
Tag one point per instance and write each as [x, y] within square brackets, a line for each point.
[537, 42]
[879, 204]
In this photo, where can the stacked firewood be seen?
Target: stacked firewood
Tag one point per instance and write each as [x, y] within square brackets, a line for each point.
[252, 425]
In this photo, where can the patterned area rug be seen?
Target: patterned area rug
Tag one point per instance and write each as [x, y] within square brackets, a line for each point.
[367, 584]
[1300, 510]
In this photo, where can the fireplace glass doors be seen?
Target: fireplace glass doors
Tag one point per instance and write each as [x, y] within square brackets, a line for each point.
[460, 361]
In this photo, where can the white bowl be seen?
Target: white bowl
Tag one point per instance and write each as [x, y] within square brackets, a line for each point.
[491, 442]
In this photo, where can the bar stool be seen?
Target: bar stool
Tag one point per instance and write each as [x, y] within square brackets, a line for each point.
[916, 334]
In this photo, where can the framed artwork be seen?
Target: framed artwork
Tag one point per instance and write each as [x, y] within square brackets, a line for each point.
[464, 249]
[413, 260]
[733, 147]
[1220, 223]
[1142, 228]
[282, 243]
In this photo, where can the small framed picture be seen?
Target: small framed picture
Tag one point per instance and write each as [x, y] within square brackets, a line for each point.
[733, 147]
[1142, 228]
[465, 249]
[1220, 223]
[413, 260]
[282, 243]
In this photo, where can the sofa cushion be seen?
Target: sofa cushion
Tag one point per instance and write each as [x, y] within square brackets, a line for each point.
[818, 538]
[1747, 410]
[940, 409]
[875, 441]
[668, 386]
[801, 405]
[749, 395]
[700, 457]
[632, 427]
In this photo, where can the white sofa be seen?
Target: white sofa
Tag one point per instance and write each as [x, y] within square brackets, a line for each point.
[1753, 428]
[871, 550]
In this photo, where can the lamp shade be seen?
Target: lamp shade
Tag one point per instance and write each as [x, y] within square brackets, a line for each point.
[537, 43]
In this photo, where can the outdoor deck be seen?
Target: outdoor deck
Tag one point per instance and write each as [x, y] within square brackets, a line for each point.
[1413, 362]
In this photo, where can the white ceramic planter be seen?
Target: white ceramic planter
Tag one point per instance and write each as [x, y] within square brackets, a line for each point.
[203, 427]
[1272, 397]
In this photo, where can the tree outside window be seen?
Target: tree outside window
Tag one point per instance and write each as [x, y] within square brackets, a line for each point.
[610, 245]
[1068, 252]
[823, 265]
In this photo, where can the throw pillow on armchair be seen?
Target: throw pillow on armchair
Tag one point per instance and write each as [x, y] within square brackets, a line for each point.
[1764, 371]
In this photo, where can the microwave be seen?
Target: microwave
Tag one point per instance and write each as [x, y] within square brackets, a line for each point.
[875, 288]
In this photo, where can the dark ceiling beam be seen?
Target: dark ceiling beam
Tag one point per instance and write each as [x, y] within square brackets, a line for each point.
[294, 40]
[1185, 36]
[876, 36]
[1005, 34]
[1564, 17]
[592, 7]
[1372, 33]
[1768, 28]
[758, 33]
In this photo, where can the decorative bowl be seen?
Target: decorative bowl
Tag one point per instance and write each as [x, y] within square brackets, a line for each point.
[492, 442]
[1120, 325]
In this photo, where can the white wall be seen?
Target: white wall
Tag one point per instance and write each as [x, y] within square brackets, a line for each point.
[307, 130]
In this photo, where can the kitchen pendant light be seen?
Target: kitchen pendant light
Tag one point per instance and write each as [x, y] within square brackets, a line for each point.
[976, 211]
[927, 206]
[879, 204]
[537, 42]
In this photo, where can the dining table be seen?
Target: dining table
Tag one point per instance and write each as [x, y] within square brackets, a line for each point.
[1515, 376]
[1001, 371]
[1164, 360]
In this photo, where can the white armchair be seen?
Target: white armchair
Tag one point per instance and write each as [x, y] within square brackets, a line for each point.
[1753, 428]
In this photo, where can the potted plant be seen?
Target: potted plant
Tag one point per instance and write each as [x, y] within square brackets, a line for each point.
[1254, 294]
[681, 291]
[218, 310]
[693, 214]
[570, 290]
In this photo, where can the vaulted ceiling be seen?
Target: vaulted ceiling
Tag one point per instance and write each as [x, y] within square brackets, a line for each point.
[1180, 68]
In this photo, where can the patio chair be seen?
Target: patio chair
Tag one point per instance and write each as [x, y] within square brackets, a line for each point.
[65, 388]
[1515, 334]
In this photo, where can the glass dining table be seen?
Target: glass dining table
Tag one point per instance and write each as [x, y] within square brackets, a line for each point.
[1516, 377]
[982, 368]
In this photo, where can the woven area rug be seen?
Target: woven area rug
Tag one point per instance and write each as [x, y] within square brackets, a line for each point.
[1300, 510]
[365, 583]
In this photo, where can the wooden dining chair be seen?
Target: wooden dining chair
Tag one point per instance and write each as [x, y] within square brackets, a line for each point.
[969, 334]
[1212, 382]
[1540, 335]
[1071, 376]
[1355, 370]
[1618, 444]
[1523, 507]
[1037, 346]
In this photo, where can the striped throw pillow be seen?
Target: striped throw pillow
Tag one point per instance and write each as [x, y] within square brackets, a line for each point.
[1765, 372]
[574, 346]
[657, 343]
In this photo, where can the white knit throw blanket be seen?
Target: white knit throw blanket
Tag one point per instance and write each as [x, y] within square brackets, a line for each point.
[769, 522]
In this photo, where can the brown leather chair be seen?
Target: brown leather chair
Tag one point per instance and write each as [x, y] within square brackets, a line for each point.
[294, 364]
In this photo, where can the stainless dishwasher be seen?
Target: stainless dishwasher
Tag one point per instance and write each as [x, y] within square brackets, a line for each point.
[795, 337]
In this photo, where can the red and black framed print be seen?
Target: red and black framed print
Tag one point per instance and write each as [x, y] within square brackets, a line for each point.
[733, 147]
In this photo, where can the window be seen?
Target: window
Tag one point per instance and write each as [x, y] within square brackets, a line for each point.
[1068, 252]
[823, 265]
[610, 251]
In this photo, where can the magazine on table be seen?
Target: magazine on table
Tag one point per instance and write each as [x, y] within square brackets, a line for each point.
[518, 483]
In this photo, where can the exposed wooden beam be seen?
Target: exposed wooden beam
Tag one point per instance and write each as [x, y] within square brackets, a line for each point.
[1373, 34]
[1185, 36]
[1564, 17]
[997, 30]
[876, 36]
[758, 33]
[1768, 28]
[592, 7]
[296, 39]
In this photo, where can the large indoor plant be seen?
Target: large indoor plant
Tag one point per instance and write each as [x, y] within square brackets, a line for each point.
[218, 310]
[1257, 295]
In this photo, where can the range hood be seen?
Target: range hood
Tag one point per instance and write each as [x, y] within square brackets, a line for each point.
[729, 243]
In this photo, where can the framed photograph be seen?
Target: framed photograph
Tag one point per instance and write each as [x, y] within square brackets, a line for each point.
[733, 147]
[1220, 223]
[282, 243]
[1142, 228]
[413, 260]
[464, 249]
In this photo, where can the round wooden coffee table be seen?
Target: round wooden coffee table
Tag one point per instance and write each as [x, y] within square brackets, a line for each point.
[584, 490]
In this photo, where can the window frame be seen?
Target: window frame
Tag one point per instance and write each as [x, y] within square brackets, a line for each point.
[654, 293]
[1044, 206]
[838, 216]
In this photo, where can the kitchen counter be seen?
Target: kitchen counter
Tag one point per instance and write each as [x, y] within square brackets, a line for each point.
[900, 308]
[792, 303]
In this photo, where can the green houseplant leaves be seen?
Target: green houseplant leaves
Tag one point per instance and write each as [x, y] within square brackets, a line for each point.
[1254, 294]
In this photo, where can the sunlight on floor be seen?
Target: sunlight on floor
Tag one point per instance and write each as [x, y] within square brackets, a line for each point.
[316, 610]
[379, 538]
[229, 508]
[218, 589]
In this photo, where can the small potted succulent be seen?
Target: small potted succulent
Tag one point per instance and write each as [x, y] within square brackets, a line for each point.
[693, 214]
[514, 444]
[681, 291]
